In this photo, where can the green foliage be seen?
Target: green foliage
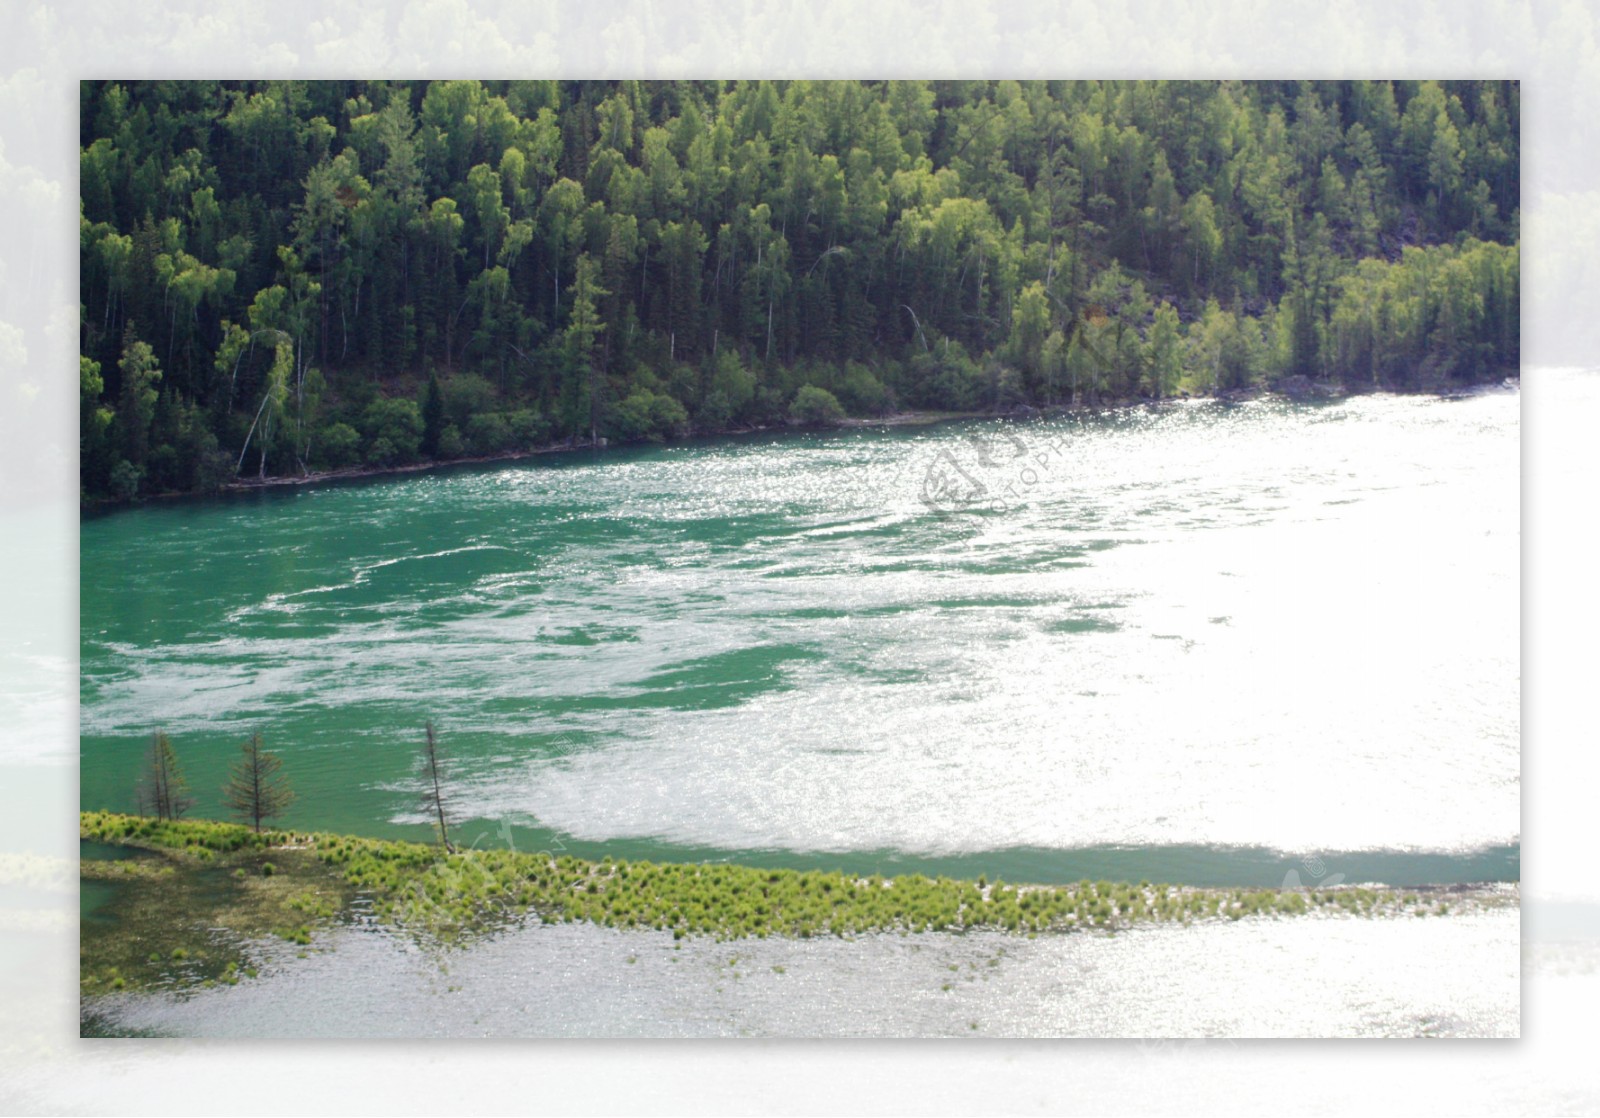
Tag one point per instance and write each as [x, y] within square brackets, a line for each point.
[646, 415]
[528, 428]
[1438, 313]
[603, 257]
[125, 478]
[489, 433]
[815, 407]
[94, 430]
[432, 417]
[393, 428]
[466, 395]
[137, 407]
[730, 393]
[339, 444]
[451, 444]
[183, 834]
[1164, 356]
[860, 392]
[945, 378]
[449, 893]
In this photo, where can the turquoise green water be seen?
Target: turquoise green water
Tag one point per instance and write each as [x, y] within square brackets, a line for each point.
[1199, 643]
[94, 896]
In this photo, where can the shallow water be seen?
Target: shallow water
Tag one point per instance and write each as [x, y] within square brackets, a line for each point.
[1194, 643]
[1258, 977]
[95, 898]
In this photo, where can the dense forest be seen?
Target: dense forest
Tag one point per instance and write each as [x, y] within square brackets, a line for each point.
[284, 277]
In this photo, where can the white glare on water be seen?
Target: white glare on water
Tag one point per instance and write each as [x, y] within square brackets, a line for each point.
[1265, 625]
[1455, 976]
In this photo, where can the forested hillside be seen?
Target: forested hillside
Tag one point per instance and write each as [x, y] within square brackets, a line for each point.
[280, 277]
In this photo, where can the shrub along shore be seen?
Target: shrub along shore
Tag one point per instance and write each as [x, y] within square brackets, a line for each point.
[289, 276]
[289, 882]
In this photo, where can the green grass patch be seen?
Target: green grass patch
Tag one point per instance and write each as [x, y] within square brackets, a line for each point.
[448, 896]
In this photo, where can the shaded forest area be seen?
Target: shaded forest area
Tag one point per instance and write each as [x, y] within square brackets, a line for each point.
[284, 277]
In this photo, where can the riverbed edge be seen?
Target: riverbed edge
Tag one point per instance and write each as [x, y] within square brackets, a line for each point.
[1297, 390]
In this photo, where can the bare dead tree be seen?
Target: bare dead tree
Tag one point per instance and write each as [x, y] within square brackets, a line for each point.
[162, 791]
[433, 798]
[256, 790]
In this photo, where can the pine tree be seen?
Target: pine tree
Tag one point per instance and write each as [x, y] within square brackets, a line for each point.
[576, 243]
[162, 790]
[432, 416]
[582, 335]
[255, 789]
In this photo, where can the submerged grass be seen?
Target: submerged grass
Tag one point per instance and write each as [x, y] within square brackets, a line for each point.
[451, 895]
[189, 914]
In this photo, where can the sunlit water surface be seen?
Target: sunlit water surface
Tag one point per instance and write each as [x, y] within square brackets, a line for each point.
[1193, 643]
[1258, 977]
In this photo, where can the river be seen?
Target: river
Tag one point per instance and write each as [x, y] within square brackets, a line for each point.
[1196, 642]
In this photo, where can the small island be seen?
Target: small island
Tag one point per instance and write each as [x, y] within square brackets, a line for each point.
[198, 876]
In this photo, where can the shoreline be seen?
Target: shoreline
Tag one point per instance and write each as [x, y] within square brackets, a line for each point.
[1303, 391]
[186, 880]
[1325, 976]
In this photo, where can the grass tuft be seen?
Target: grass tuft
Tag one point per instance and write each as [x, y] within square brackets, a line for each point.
[450, 895]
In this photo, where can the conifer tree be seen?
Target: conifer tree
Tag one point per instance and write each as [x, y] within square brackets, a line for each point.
[162, 790]
[256, 790]
[432, 416]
